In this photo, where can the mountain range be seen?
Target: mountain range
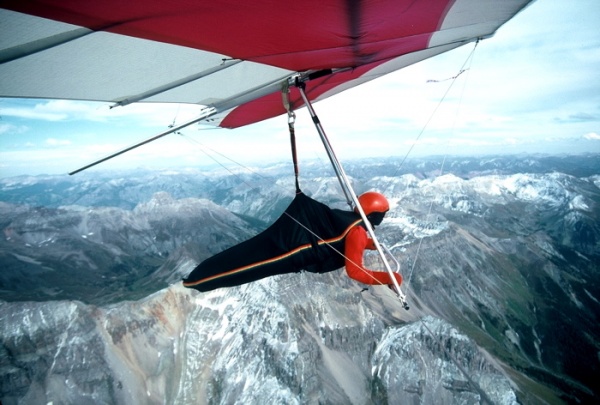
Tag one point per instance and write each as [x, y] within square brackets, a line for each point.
[499, 256]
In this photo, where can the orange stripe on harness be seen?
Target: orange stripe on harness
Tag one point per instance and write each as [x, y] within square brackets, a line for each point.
[274, 259]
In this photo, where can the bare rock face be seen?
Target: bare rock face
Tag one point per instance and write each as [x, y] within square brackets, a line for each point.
[277, 340]
[429, 361]
[107, 254]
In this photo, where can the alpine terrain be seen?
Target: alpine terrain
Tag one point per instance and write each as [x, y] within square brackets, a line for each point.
[500, 259]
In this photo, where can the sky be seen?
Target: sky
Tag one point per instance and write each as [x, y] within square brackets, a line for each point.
[534, 87]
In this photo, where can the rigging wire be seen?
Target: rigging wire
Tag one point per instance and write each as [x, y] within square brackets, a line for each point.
[469, 60]
[442, 99]
[172, 125]
[450, 78]
[483, 395]
[203, 148]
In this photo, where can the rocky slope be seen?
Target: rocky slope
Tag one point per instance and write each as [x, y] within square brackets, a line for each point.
[290, 339]
[107, 254]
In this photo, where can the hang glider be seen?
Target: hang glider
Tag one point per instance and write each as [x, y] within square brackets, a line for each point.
[235, 58]
[230, 56]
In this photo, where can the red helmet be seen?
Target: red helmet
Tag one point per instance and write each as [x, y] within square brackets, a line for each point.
[372, 201]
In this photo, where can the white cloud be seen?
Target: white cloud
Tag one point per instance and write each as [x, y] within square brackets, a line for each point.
[146, 114]
[592, 136]
[57, 142]
[6, 128]
[38, 112]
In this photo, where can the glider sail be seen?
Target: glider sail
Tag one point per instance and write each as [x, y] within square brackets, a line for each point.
[228, 55]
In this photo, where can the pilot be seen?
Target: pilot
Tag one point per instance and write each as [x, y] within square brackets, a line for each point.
[375, 206]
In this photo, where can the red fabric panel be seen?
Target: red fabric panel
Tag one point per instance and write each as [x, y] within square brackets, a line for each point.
[271, 105]
[298, 35]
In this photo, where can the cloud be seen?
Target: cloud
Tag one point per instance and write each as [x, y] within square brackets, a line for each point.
[578, 117]
[57, 142]
[146, 114]
[592, 136]
[6, 128]
[38, 112]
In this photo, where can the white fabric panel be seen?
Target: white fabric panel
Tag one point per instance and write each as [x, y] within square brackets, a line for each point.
[123, 68]
[17, 29]
[391, 66]
[490, 15]
[222, 85]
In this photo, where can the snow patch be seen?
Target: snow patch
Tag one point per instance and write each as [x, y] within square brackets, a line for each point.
[512, 336]
[578, 203]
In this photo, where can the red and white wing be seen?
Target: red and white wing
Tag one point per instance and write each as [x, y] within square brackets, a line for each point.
[228, 54]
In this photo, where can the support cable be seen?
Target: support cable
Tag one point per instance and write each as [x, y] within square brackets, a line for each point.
[484, 398]
[463, 69]
[204, 114]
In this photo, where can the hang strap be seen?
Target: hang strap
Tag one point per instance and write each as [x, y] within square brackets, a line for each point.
[291, 121]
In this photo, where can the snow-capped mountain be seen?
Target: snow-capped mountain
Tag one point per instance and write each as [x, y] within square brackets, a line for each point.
[499, 256]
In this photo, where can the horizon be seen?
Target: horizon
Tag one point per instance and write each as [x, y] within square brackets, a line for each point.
[236, 168]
